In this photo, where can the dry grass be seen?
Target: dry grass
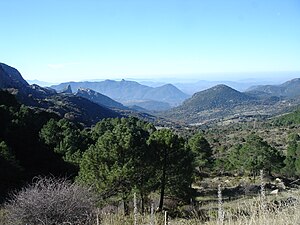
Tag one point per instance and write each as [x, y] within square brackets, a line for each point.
[276, 210]
[119, 219]
[282, 209]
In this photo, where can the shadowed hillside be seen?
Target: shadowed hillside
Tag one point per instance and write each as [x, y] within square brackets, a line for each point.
[65, 105]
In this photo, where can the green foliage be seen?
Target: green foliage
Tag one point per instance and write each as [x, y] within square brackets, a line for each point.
[233, 161]
[256, 154]
[252, 156]
[65, 138]
[6, 117]
[118, 162]
[77, 109]
[173, 163]
[220, 101]
[202, 151]
[51, 133]
[8, 99]
[289, 119]
[10, 170]
[130, 155]
[6, 155]
[23, 156]
[292, 160]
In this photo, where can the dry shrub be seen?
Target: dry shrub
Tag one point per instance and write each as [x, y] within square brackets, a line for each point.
[50, 201]
[2, 216]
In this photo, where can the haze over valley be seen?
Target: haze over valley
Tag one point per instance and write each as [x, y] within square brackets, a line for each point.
[220, 102]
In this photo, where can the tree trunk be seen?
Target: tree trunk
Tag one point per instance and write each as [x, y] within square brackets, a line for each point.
[163, 183]
[142, 203]
[126, 207]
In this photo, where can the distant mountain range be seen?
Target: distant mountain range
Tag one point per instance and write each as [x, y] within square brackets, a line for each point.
[222, 102]
[289, 89]
[87, 102]
[132, 92]
[40, 83]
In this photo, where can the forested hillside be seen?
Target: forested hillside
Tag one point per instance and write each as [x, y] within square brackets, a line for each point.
[49, 134]
[289, 89]
[66, 105]
[290, 119]
[223, 103]
[121, 156]
[22, 153]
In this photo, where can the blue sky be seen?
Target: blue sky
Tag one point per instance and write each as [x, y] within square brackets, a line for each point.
[62, 40]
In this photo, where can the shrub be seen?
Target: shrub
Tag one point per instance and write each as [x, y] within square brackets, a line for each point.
[51, 201]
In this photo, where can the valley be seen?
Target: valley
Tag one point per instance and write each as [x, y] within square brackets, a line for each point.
[213, 105]
[175, 158]
[150, 112]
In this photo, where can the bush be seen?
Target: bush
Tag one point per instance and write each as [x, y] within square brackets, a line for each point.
[2, 216]
[50, 201]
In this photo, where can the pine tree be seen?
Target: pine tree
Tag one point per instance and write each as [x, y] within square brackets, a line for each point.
[202, 151]
[256, 154]
[173, 163]
[118, 162]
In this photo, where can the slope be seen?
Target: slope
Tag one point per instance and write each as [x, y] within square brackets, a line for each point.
[98, 98]
[65, 105]
[289, 89]
[214, 103]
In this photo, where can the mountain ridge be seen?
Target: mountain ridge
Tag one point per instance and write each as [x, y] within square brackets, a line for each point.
[124, 91]
[288, 89]
[11, 77]
[98, 98]
[218, 96]
[65, 104]
[222, 103]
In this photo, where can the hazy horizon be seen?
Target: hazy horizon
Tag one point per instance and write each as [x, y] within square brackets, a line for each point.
[268, 77]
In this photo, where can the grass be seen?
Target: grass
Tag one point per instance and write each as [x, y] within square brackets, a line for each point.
[274, 211]
[281, 209]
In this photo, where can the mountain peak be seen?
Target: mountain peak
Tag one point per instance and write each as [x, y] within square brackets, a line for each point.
[222, 87]
[67, 90]
[216, 97]
[171, 86]
[11, 77]
[220, 90]
[210, 103]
